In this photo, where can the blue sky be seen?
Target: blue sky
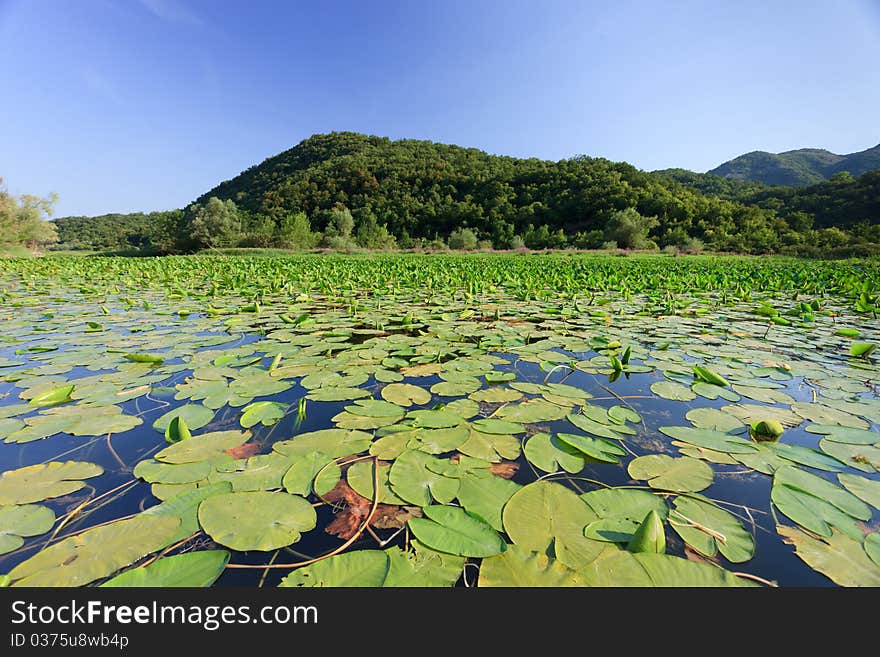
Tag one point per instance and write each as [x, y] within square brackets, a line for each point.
[128, 105]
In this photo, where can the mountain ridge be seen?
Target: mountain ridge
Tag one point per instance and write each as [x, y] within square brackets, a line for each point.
[799, 167]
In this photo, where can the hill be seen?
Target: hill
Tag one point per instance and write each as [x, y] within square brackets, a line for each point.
[805, 166]
[346, 190]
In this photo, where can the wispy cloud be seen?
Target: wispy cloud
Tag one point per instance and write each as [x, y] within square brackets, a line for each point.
[172, 11]
[102, 86]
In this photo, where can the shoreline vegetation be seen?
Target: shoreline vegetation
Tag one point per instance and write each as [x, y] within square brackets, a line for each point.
[349, 192]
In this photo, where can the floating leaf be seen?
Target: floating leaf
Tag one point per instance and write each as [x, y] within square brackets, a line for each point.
[673, 391]
[839, 557]
[683, 474]
[530, 411]
[716, 440]
[185, 506]
[815, 503]
[95, 553]
[710, 529]
[491, 447]
[431, 419]
[191, 569]
[519, 567]
[360, 478]
[204, 447]
[266, 413]
[544, 514]
[419, 478]
[483, 494]
[19, 521]
[596, 448]
[257, 520]
[838, 434]
[359, 568]
[867, 490]
[451, 529]
[498, 426]
[35, 483]
[707, 375]
[584, 423]
[862, 349]
[333, 394]
[495, 395]
[195, 415]
[549, 454]
[822, 414]
[861, 457]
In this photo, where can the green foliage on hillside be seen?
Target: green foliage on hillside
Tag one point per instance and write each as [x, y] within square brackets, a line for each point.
[805, 166]
[347, 191]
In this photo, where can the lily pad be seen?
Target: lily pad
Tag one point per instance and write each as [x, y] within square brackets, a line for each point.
[204, 447]
[191, 569]
[35, 483]
[418, 478]
[682, 474]
[710, 529]
[257, 520]
[816, 503]
[716, 440]
[195, 415]
[95, 553]
[483, 494]
[545, 515]
[839, 557]
[673, 391]
[595, 448]
[20, 521]
[549, 454]
[452, 530]
[266, 413]
[867, 490]
[519, 567]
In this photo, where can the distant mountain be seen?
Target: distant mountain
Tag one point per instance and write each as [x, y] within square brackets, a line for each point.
[805, 166]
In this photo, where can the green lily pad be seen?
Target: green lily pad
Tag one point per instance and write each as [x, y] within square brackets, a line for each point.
[595, 448]
[195, 415]
[861, 457]
[35, 483]
[95, 553]
[839, 557]
[544, 514]
[257, 520]
[673, 391]
[531, 411]
[452, 530]
[495, 395]
[20, 521]
[549, 454]
[191, 569]
[359, 568]
[333, 442]
[490, 446]
[584, 423]
[266, 413]
[437, 441]
[185, 506]
[710, 529]
[203, 447]
[662, 472]
[749, 413]
[360, 478]
[822, 414]
[416, 477]
[815, 503]
[434, 419]
[484, 495]
[867, 490]
[839, 434]
[709, 439]
[53, 396]
[519, 567]
[491, 425]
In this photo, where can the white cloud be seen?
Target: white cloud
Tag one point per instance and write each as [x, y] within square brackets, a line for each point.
[172, 11]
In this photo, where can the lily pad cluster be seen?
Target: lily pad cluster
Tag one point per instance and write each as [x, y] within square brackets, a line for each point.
[523, 424]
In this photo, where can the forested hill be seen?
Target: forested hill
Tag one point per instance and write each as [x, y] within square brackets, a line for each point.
[805, 166]
[347, 190]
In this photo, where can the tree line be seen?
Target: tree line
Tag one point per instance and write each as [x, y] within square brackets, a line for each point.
[346, 191]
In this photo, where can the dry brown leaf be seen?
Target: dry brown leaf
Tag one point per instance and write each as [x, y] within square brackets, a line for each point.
[504, 469]
[244, 451]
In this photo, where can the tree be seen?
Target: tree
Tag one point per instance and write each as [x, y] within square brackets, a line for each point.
[23, 219]
[341, 223]
[630, 229]
[215, 224]
[373, 235]
[462, 239]
[295, 232]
